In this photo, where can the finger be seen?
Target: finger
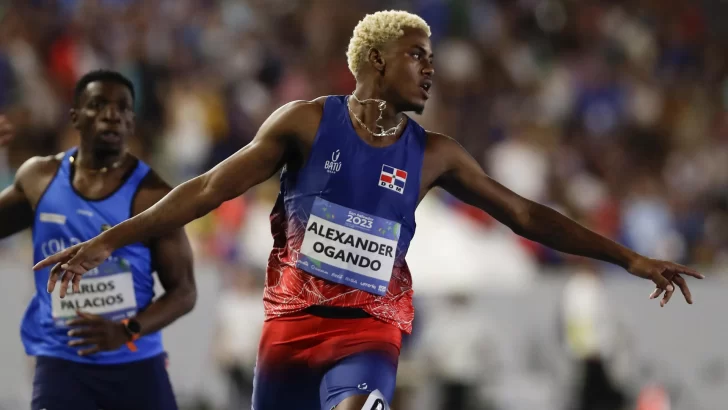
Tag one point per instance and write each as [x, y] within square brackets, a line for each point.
[656, 293]
[683, 285]
[90, 316]
[84, 342]
[56, 272]
[84, 332]
[77, 283]
[83, 322]
[667, 297]
[662, 282]
[55, 258]
[67, 276]
[90, 351]
[684, 269]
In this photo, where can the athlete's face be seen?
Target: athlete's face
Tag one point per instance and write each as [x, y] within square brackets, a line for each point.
[104, 116]
[408, 70]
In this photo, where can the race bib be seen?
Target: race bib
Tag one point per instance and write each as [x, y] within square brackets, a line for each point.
[107, 291]
[349, 247]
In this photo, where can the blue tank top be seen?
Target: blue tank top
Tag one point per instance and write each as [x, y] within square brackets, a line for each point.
[117, 289]
[347, 218]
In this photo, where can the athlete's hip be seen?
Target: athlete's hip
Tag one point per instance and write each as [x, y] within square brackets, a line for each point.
[312, 340]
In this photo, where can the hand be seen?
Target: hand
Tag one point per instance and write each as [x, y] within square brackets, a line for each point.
[6, 131]
[665, 275]
[73, 262]
[97, 332]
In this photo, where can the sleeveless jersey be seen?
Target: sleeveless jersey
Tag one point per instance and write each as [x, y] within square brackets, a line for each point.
[117, 289]
[342, 224]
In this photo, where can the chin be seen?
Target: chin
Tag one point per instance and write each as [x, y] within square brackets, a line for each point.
[107, 147]
[416, 106]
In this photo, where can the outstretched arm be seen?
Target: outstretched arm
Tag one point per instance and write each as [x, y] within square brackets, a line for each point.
[172, 260]
[253, 164]
[464, 178]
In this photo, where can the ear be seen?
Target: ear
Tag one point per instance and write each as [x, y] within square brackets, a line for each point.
[73, 113]
[376, 59]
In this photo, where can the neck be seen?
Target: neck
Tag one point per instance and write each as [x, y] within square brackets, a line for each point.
[369, 111]
[94, 159]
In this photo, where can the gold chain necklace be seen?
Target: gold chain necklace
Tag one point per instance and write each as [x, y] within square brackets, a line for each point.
[101, 170]
[382, 105]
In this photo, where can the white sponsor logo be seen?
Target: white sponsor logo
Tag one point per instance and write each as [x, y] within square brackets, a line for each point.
[52, 218]
[333, 166]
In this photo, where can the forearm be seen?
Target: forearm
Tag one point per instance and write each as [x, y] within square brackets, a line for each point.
[182, 205]
[165, 310]
[550, 228]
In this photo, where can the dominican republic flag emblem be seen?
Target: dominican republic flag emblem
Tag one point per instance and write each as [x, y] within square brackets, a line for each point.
[392, 178]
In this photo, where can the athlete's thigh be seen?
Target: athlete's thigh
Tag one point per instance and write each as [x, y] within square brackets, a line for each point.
[360, 374]
[59, 385]
[285, 387]
[142, 385]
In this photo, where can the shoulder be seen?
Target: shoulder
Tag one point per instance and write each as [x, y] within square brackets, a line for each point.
[444, 144]
[301, 109]
[296, 121]
[151, 189]
[37, 170]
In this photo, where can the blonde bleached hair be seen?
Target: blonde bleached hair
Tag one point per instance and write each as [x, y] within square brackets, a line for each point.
[376, 29]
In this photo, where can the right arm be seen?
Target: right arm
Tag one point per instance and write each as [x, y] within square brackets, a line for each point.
[271, 148]
[16, 213]
[16, 201]
[251, 165]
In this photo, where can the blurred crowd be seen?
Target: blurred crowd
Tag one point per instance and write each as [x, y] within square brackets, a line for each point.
[613, 112]
[610, 111]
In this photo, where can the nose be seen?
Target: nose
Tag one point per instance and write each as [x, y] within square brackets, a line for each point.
[111, 113]
[428, 70]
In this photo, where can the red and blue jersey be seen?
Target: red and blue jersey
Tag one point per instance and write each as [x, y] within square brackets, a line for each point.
[342, 224]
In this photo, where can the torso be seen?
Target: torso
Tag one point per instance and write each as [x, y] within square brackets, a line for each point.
[342, 169]
[72, 206]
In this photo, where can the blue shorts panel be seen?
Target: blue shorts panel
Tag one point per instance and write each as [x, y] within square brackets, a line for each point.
[304, 388]
[61, 384]
[361, 373]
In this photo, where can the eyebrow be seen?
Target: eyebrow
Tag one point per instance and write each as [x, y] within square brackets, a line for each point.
[422, 49]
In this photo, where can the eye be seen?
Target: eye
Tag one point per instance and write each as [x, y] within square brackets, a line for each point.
[416, 55]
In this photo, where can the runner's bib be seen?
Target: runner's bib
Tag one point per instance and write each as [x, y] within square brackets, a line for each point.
[349, 247]
[107, 291]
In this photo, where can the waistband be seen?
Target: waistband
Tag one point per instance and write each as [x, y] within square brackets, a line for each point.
[337, 312]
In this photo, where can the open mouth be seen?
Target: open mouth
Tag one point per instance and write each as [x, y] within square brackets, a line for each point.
[110, 136]
[425, 87]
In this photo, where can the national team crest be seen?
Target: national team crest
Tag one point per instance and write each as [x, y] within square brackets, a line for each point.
[393, 178]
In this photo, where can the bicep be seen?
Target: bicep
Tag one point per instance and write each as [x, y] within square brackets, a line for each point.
[467, 181]
[254, 163]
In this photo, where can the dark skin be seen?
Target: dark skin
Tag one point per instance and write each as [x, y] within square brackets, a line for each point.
[6, 130]
[397, 72]
[104, 119]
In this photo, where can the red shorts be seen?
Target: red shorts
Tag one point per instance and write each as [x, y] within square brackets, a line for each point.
[299, 355]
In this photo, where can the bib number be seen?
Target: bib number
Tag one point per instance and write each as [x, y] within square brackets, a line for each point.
[349, 247]
[106, 292]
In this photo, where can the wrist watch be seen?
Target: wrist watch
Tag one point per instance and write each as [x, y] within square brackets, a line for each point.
[133, 329]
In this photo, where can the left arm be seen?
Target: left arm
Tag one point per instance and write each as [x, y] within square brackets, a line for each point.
[172, 259]
[463, 177]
